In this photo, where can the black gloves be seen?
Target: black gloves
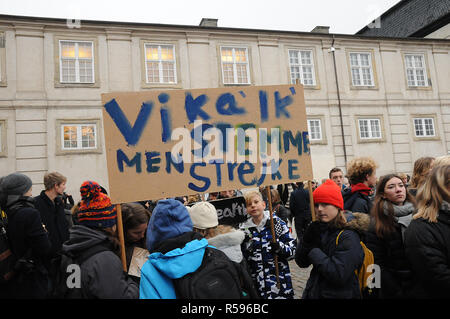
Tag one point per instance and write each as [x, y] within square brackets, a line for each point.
[311, 237]
[275, 247]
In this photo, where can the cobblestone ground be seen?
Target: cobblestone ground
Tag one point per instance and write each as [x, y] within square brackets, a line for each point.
[299, 278]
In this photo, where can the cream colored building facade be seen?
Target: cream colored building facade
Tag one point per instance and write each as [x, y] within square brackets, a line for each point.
[394, 94]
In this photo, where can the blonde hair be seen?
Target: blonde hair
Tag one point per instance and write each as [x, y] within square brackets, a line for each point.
[207, 233]
[442, 160]
[432, 193]
[358, 169]
[249, 195]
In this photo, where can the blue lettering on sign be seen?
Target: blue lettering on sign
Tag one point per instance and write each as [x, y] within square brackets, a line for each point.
[133, 133]
[178, 163]
[193, 107]
[297, 141]
[152, 158]
[292, 168]
[281, 104]
[263, 106]
[233, 108]
[204, 179]
[306, 143]
[121, 158]
[244, 169]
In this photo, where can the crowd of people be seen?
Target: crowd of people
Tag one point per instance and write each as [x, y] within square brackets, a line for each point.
[404, 222]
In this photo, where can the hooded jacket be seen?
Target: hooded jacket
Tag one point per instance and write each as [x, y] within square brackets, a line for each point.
[102, 275]
[260, 259]
[333, 273]
[173, 259]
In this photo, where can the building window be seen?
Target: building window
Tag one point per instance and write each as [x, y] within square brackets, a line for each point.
[369, 128]
[76, 61]
[424, 127]
[361, 69]
[160, 63]
[315, 130]
[302, 67]
[235, 67]
[79, 136]
[416, 74]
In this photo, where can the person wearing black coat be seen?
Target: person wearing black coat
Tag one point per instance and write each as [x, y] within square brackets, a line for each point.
[51, 207]
[102, 275]
[28, 239]
[361, 172]
[332, 246]
[427, 238]
[300, 209]
[390, 216]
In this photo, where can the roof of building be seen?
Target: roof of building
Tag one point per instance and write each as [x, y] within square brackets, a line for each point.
[410, 18]
[140, 25]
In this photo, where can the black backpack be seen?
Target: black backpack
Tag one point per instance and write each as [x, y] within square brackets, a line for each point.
[61, 288]
[216, 278]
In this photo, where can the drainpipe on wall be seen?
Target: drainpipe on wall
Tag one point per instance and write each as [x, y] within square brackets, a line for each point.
[332, 49]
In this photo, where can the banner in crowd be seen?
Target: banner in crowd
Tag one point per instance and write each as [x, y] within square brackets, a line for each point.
[179, 142]
[231, 211]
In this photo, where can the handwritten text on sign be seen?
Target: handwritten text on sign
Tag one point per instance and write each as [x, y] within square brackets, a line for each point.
[178, 142]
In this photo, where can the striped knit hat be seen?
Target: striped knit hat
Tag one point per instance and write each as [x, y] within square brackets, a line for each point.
[96, 210]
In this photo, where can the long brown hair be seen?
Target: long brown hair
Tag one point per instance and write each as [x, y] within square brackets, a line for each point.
[385, 223]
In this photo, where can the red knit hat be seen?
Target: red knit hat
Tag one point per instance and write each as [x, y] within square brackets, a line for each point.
[329, 193]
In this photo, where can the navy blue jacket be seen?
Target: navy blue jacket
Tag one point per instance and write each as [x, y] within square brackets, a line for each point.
[333, 274]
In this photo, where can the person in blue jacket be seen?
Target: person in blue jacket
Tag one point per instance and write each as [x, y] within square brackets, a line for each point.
[175, 250]
[332, 245]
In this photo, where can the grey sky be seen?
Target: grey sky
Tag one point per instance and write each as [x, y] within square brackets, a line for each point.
[343, 16]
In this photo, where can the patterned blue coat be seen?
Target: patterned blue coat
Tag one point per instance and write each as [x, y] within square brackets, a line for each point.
[256, 250]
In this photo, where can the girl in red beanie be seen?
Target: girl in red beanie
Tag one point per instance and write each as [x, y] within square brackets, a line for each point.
[334, 258]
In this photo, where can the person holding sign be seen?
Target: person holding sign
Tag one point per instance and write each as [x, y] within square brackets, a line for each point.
[332, 246]
[260, 250]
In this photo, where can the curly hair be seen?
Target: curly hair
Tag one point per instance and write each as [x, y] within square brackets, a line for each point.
[358, 169]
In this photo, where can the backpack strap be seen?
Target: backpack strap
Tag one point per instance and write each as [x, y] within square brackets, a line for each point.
[339, 235]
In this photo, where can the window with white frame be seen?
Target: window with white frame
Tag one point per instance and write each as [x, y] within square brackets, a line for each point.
[78, 136]
[76, 61]
[416, 74]
[424, 127]
[314, 130]
[235, 67]
[369, 128]
[160, 63]
[301, 66]
[361, 69]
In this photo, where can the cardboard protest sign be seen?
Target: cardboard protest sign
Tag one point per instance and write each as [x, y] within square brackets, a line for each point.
[231, 211]
[179, 142]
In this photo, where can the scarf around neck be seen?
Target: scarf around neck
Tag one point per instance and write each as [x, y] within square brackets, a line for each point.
[362, 188]
[402, 214]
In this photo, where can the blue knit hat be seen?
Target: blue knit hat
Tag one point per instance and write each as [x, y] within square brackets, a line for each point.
[169, 219]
